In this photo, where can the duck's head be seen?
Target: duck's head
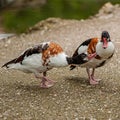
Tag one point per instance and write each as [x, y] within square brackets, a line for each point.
[105, 38]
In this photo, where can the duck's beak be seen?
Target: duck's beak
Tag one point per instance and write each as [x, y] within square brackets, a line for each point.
[105, 43]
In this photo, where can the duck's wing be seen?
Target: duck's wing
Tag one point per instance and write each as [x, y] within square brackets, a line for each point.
[30, 51]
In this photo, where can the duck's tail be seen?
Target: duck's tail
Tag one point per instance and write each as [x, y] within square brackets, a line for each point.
[10, 64]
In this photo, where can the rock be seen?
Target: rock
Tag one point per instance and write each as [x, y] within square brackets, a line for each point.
[107, 11]
[107, 8]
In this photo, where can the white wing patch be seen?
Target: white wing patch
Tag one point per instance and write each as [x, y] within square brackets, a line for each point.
[82, 49]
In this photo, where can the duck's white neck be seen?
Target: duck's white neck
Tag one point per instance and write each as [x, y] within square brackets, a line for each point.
[105, 52]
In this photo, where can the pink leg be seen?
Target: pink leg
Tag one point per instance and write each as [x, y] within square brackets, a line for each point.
[91, 56]
[46, 83]
[91, 80]
[92, 76]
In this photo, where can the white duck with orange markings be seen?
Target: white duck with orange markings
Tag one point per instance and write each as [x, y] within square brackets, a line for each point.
[41, 58]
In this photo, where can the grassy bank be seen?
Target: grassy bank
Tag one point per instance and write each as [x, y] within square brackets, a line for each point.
[19, 20]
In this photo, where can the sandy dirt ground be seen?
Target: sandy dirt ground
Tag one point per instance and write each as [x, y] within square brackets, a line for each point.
[71, 98]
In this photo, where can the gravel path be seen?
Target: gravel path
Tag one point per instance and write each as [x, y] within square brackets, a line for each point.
[71, 98]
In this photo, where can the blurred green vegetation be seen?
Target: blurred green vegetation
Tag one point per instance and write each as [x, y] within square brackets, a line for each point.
[19, 20]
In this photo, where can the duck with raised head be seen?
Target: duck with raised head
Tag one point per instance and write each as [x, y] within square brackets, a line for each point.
[98, 51]
[41, 58]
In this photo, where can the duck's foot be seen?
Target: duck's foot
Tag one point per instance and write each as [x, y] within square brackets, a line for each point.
[93, 81]
[46, 83]
[97, 80]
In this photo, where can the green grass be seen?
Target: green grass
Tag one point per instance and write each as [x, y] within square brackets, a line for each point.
[18, 21]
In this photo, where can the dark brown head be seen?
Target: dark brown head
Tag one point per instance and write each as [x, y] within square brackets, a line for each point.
[105, 38]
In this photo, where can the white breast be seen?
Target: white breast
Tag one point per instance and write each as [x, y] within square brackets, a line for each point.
[105, 53]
